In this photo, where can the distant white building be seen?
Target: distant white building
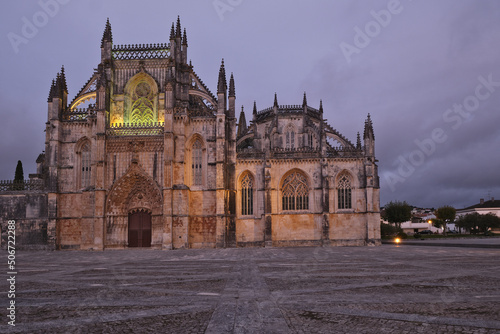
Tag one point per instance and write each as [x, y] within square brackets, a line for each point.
[483, 208]
[420, 223]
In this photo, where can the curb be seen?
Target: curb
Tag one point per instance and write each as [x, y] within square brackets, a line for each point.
[413, 243]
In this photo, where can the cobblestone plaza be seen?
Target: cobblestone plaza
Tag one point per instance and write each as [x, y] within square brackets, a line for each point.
[386, 289]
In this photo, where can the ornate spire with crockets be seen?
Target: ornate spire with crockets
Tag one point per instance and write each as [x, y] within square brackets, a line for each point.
[63, 84]
[275, 100]
[178, 31]
[107, 36]
[242, 124]
[304, 101]
[222, 83]
[172, 31]
[59, 86]
[232, 92]
[358, 142]
[368, 133]
[184, 38]
[254, 108]
[52, 91]
[321, 106]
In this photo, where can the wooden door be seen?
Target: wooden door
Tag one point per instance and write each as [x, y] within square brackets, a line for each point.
[139, 229]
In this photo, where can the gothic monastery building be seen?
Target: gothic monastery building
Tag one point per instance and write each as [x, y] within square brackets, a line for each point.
[146, 155]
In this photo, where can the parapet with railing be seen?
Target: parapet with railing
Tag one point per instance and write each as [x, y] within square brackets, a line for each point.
[78, 114]
[136, 129]
[141, 51]
[25, 185]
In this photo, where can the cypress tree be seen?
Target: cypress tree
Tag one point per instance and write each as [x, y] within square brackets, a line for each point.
[19, 176]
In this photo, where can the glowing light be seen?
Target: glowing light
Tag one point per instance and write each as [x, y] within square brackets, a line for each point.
[397, 240]
[82, 99]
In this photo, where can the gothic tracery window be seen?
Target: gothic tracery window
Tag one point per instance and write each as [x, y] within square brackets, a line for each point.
[295, 193]
[247, 195]
[197, 163]
[142, 105]
[85, 164]
[344, 193]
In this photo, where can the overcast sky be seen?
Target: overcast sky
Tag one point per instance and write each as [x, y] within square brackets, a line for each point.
[428, 72]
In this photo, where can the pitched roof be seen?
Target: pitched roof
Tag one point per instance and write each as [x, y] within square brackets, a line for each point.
[486, 204]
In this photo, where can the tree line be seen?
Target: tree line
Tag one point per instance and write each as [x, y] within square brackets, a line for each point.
[398, 212]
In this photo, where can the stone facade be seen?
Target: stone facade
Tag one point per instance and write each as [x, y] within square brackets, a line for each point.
[154, 159]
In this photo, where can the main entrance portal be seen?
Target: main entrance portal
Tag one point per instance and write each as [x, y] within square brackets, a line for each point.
[139, 229]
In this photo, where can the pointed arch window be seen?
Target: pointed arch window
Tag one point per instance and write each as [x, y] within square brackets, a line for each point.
[143, 104]
[344, 193]
[295, 193]
[86, 165]
[197, 163]
[247, 195]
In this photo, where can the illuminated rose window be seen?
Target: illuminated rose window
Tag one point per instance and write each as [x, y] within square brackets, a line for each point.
[142, 108]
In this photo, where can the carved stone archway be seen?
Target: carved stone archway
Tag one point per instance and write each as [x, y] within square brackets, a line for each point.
[135, 191]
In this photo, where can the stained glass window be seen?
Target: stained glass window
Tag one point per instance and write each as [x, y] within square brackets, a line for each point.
[247, 195]
[344, 192]
[295, 193]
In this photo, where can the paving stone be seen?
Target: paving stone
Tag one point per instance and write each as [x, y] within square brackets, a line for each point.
[387, 289]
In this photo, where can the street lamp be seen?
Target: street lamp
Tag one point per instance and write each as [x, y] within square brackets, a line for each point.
[430, 224]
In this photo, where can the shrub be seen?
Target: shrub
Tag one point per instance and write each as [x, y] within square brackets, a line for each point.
[402, 235]
[389, 229]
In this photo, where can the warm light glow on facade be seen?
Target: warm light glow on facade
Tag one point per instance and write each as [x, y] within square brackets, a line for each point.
[83, 99]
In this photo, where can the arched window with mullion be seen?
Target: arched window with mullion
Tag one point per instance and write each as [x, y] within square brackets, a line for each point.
[295, 193]
[197, 163]
[247, 195]
[86, 165]
[344, 192]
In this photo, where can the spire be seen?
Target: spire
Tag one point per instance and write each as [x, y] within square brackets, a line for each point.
[57, 86]
[63, 84]
[254, 108]
[242, 124]
[358, 142]
[304, 101]
[178, 30]
[107, 36]
[368, 133]
[172, 31]
[52, 91]
[184, 38]
[321, 106]
[222, 84]
[275, 100]
[232, 92]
